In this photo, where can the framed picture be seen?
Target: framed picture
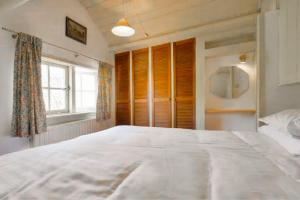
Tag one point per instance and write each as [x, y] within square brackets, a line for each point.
[76, 31]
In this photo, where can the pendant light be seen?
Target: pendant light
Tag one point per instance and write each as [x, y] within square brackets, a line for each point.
[122, 27]
[243, 59]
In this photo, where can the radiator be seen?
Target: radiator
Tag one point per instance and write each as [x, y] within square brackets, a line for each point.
[70, 130]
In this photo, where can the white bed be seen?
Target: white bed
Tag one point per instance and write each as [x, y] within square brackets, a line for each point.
[138, 163]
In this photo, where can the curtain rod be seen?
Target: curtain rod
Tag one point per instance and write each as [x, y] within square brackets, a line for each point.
[14, 35]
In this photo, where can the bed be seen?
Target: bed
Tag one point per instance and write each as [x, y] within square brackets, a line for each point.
[139, 163]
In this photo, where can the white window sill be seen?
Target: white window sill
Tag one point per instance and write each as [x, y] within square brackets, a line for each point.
[68, 117]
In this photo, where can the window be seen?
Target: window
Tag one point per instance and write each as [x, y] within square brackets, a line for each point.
[85, 89]
[55, 87]
[68, 88]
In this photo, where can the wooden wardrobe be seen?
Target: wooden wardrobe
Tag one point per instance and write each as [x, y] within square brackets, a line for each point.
[171, 86]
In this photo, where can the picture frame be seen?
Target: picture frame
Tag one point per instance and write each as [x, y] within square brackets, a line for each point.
[76, 31]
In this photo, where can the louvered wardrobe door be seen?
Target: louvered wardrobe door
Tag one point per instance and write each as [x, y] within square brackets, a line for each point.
[140, 87]
[122, 88]
[184, 72]
[161, 72]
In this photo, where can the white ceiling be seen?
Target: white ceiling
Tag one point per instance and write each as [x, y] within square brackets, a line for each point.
[159, 17]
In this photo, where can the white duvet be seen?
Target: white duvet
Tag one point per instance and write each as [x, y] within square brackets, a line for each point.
[136, 163]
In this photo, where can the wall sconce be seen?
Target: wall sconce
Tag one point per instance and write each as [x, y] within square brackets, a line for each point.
[243, 59]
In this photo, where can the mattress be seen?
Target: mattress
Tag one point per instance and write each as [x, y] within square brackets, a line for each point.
[139, 163]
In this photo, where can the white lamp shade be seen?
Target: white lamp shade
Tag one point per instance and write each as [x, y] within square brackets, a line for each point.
[123, 29]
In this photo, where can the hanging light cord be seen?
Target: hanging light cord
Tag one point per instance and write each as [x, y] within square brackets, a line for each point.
[139, 21]
[124, 10]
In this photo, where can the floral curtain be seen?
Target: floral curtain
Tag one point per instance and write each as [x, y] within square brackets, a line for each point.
[104, 91]
[29, 115]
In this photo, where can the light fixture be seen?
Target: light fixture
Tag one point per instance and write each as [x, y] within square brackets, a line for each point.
[243, 59]
[123, 29]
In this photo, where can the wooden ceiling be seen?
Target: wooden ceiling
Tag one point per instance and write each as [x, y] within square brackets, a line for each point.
[159, 17]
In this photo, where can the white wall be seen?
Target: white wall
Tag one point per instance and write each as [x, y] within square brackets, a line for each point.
[45, 19]
[245, 101]
[274, 97]
[231, 121]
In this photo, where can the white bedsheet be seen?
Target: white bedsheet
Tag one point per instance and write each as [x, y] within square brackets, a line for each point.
[136, 163]
[286, 140]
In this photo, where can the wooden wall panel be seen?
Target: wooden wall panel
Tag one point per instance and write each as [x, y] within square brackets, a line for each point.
[161, 76]
[184, 82]
[122, 88]
[140, 62]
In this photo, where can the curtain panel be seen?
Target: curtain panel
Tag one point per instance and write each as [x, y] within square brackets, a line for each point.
[29, 115]
[104, 91]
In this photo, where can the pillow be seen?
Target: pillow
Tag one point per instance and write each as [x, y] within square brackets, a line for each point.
[288, 142]
[294, 128]
[282, 119]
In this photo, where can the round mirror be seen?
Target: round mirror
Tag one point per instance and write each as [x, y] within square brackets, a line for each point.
[229, 82]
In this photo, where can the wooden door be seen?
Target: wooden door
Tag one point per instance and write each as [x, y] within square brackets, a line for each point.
[140, 60]
[184, 83]
[122, 88]
[161, 76]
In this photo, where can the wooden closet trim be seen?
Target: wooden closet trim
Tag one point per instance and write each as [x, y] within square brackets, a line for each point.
[178, 43]
[169, 81]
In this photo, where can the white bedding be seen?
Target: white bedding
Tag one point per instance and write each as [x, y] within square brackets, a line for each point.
[286, 140]
[136, 163]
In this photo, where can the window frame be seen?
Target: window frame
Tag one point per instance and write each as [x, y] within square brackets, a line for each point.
[66, 89]
[70, 113]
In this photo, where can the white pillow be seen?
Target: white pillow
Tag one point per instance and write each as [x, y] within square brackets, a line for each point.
[294, 128]
[282, 119]
[288, 142]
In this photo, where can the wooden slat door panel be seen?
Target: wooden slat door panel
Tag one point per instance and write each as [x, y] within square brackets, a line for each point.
[184, 83]
[141, 117]
[122, 72]
[162, 114]
[161, 76]
[184, 113]
[140, 60]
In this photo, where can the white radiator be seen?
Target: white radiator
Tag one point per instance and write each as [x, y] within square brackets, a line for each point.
[70, 130]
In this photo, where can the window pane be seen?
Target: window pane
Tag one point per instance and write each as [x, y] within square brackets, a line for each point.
[88, 82]
[85, 89]
[57, 77]
[57, 99]
[88, 99]
[46, 99]
[44, 75]
[85, 79]
[78, 101]
[85, 102]
[78, 81]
